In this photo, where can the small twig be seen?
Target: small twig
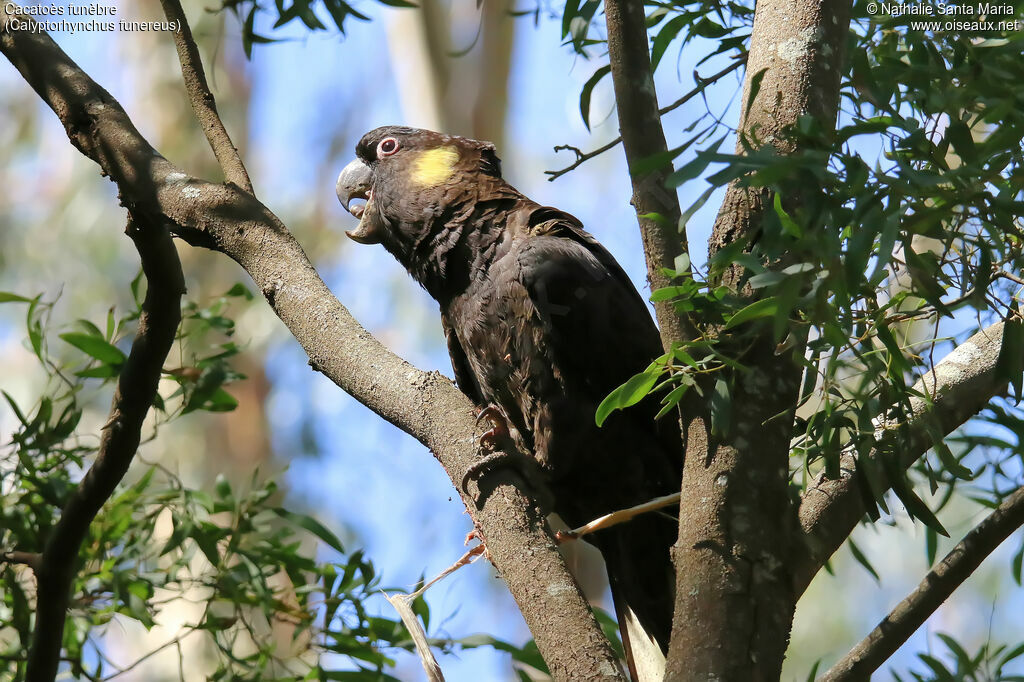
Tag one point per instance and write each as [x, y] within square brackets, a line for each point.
[1010, 276]
[582, 157]
[176, 641]
[203, 103]
[469, 557]
[403, 605]
[30, 559]
[119, 439]
[936, 587]
[617, 517]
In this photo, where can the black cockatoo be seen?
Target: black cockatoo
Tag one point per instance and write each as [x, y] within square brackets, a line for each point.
[542, 323]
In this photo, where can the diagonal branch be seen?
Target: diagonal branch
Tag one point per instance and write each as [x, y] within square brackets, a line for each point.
[936, 587]
[425, 405]
[203, 103]
[136, 388]
[959, 387]
[657, 206]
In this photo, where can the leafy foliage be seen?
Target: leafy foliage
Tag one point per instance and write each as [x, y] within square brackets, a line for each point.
[990, 663]
[264, 602]
[904, 221]
[310, 13]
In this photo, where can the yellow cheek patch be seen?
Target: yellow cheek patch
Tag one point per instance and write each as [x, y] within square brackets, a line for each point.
[434, 166]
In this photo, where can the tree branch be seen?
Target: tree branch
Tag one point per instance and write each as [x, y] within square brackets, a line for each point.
[703, 83]
[203, 103]
[30, 559]
[958, 388]
[657, 206]
[133, 396]
[424, 405]
[936, 587]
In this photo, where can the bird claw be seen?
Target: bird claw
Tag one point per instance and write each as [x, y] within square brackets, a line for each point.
[486, 464]
[499, 427]
[502, 452]
[495, 441]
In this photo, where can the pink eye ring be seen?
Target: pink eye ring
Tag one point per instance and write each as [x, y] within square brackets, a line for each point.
[387, 146]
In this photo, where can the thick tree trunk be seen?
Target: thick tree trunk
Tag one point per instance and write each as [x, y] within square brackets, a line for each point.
[739, 538]
[737, 535]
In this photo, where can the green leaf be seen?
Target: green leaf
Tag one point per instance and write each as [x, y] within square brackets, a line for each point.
[766, 307]
[222, 487]
[671, 400]
[960, 137]
[111, 324]
[863, 560]
[207, 543]
[1015, 653]
[588, 91]
[695, 167]
[220, 401]
[899, 364]
[313, 526]
[239, 290]
[755, 87]
[941, 672]
[182, 530]
[917, 508]
[90, 328]
[247, 32]
[1016, 563]
[789, 226]
[571, 10]
[527, 654]
[95, 346]
[354, 676]
[681, 264]
[931, 542]
[963, 659]
[694, 207]
[952, 464]
[249, 35]
[99, 372]
[766, 279]
[14, 406]
[665, 37]
[8, 297]
[629, 393]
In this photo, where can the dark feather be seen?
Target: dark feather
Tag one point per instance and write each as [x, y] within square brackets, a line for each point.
[542, 322]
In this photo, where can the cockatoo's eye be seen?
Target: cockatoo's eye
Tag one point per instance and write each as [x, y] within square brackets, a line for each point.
[387, 146]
